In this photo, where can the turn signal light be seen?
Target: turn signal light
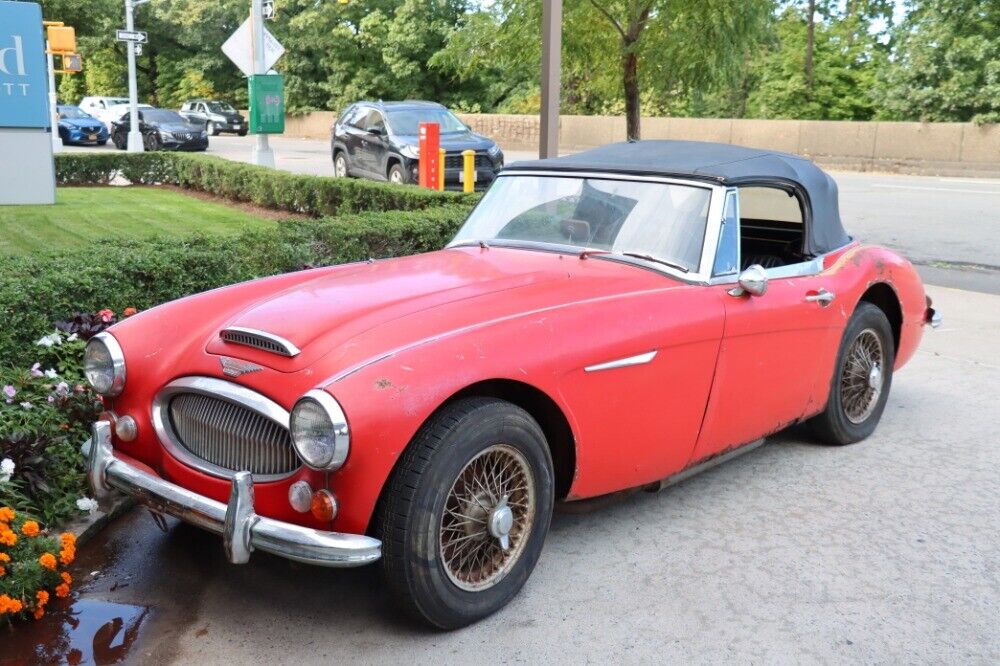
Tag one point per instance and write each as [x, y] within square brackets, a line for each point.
[324, 505]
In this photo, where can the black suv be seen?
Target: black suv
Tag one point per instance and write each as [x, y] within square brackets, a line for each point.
[161, 129]
[217, 116]
[379, 140]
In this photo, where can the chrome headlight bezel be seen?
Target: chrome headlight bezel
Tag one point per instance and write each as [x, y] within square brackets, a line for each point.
[322, 446]
[113, 366]
[412, 152]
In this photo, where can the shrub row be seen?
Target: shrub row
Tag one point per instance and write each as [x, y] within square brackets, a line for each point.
[317, 196]
[38, 290]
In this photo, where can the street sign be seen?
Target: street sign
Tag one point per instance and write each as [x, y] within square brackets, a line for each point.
[267, 10]
[239, 49]
[137, 36]
[267, 103]
[138, 49]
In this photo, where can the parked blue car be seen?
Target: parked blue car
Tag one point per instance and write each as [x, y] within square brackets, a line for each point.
[76, 126]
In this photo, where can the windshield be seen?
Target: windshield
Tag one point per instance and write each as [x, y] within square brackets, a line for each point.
[71, 112]
[661, 221]
[220, 107]
[163, 116]
[407, 121]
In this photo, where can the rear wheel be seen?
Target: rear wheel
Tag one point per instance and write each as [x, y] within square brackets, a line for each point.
[466, 511]
[861, 379]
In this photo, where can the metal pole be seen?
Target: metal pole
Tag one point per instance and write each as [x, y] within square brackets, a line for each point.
[134, 135]
[262, 153]
[53, 102]
[548, 138]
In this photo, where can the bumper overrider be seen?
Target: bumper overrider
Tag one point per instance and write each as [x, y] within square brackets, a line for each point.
[242, 530]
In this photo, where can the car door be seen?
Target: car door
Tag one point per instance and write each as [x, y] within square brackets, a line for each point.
[374, 144]
[353, 132]
[777, 352]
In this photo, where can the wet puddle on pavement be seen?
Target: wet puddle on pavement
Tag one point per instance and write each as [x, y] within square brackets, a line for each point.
[75, 631]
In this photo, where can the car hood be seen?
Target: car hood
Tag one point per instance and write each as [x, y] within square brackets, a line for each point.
[362, 311]
[77, 123]
[180, 127]
[453, 142]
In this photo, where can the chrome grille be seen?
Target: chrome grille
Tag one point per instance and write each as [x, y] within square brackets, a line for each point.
[230, 435]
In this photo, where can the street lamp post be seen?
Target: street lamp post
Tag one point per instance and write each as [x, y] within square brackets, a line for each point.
[134, 135]
[262, 153]
[548, 137]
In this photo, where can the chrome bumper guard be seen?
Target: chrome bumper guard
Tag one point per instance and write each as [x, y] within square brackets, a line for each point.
[242, 530]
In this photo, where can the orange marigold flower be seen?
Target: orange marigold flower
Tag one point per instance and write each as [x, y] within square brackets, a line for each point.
[42, 597]
[67, 538]
[66, 578]
[67, 555]
[4, 557]
[3, 572]
[30, 528]
[9, 605]
[7, 514]
[62, 590]
[128, 312]
[48, 560]
[8, 538]
[39, 613]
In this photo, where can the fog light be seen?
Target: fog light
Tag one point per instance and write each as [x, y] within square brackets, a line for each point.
[300, 496]
[324, 505]
[127, 429]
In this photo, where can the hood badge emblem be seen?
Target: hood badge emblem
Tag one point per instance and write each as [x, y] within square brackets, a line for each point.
[234, 368]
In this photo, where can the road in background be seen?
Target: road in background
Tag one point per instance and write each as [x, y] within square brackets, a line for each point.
[949, 227]
[880, 552]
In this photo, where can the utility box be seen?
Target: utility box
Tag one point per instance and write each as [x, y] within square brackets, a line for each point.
[429, 142]
[267, 103]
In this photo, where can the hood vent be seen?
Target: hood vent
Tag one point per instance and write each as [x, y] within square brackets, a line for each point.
[251, 337]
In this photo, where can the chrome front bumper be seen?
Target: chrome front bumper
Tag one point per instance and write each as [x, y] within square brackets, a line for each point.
[242, 530]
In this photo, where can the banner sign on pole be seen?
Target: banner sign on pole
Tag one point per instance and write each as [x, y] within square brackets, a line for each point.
[267, 103]
[430, 143]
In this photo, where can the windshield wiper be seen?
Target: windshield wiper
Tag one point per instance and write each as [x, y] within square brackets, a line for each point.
[657, 260]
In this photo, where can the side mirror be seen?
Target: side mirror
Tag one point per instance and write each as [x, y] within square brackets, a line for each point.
[753, 281]
[376, 131]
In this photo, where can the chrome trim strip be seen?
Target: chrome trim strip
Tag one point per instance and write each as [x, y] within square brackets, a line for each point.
[290, 349]
[639, 359]
[242, 529]
[223, 390]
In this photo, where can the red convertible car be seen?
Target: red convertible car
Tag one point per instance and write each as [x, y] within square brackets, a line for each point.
[614, 319]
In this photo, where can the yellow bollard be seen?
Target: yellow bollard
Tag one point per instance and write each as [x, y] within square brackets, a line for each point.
[469, 170]
[441, 169]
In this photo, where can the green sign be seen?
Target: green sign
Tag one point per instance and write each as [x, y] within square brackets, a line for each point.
[267, 103]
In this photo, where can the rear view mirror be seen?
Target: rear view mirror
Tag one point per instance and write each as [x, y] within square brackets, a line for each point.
[753, 281]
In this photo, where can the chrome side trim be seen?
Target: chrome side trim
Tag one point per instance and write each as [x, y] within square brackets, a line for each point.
[270, 342]
[215, 388]
[639, 359]
[242, 530]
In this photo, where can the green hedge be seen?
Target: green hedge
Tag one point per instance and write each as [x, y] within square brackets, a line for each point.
[38, 290]
[317, 196]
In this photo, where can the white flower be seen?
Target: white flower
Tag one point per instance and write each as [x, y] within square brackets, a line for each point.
[26, 405]
[51, 373]
[72, 337]
[86, 505]
[62, 388]
[7, 467]
[35, 370]
[49, 340]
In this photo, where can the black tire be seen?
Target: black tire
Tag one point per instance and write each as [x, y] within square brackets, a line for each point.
[844, 421]
[151, 142]
[212, 129]
[340, 160]
[119, 141]
[243, 132]
[397, 174]
[413, 506]
[101, 143]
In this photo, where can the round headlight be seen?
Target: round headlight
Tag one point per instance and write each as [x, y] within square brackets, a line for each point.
[104, 365]
[319, 431]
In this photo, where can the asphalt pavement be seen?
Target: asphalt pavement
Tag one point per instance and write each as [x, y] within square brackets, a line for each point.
[949, 227]
[883, 552]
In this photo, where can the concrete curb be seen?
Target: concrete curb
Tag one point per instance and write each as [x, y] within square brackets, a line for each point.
[87, 527]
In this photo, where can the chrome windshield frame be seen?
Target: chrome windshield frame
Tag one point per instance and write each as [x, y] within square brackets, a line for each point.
[712, 224]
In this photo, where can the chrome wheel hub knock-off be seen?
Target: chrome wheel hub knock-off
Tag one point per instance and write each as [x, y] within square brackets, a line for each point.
[862, 378]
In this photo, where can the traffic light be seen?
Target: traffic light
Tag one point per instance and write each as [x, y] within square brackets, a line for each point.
[62, 38]
[71, 63]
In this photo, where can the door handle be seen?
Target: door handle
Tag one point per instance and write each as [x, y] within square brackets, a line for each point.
[823, 297]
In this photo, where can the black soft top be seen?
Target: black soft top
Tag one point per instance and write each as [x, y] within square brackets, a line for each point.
[725, 164]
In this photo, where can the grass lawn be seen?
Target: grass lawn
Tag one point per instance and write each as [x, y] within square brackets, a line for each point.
[85, 215]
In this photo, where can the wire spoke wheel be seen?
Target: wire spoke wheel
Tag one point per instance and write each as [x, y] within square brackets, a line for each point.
[862, 378]
[487, 518]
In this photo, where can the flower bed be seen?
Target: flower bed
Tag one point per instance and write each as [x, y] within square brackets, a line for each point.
[32, 566]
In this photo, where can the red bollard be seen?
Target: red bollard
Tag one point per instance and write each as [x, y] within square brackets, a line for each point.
[430, 162]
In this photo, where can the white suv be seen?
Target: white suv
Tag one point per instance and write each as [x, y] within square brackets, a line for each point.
[101, 108]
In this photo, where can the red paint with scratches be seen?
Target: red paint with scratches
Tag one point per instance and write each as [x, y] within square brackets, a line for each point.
[394, 340]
